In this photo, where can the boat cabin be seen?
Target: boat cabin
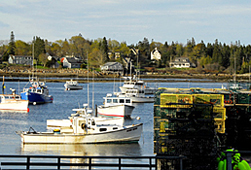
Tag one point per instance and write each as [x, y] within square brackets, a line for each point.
[110, 100]
[9, 97]
[88, 125]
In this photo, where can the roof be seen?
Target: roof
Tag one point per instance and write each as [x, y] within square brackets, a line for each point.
[110, 63]
[72, 60]
[155, 50]
[19, 56]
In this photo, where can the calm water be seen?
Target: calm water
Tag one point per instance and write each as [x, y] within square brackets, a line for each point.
[61, 108]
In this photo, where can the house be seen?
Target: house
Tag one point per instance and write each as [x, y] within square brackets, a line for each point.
[181, 62]
[52, 61]
[114, 55]
[71, 62]
[155, 54]
[112, 67]
[18, 59]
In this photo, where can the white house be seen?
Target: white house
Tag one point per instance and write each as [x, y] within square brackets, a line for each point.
[155, 54]
[181, 62]
[24, 60]
[112, 67]
[71, 62]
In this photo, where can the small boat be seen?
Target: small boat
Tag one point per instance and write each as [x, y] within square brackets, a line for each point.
[136, 95]
[84, 128]
[13, 102]
[136, 83]
[72, 85]
[116, 106]
[37, 93]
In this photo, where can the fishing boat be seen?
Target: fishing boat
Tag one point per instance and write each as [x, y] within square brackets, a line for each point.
[64, 123]
[72, 85]
[84, 129]
[116, 106]
[135, 83]
[13, 102]
[136, 95]
[36, 93]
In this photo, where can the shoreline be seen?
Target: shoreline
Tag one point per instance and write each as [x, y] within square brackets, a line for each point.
[82, 78]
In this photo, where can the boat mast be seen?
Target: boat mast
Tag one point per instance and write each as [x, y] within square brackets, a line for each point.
[32, 60]
[93, 89]
[88, 82]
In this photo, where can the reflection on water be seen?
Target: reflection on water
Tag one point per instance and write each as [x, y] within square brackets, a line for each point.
[83, 149]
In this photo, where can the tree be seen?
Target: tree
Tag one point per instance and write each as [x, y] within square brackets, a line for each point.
[39, 47]
[11, 49]
[104, 50]
[43, 58]
[22, 48]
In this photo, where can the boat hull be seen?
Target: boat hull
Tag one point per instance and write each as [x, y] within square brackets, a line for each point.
[115, 111]
[36, 97]
[142, 99]
[70, 87]
[148, 90]
[19, 106]
[129, 134]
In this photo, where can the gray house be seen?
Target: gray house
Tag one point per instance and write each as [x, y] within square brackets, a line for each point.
[24, 60]
[71, 62]
[181, 62]
[112, 67]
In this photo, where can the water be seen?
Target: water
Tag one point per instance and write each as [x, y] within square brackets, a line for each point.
[61, 108]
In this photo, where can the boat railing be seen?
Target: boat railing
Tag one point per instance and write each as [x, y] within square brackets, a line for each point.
[90, 162]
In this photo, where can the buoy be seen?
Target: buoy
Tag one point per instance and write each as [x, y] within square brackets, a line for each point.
[28, 110]
[138, 118]
[34, 103]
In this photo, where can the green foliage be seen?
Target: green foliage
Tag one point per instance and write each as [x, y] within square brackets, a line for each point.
[214, 56]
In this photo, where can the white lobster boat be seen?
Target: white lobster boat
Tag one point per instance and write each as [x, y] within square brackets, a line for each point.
[116, 106]
[136, 95]
[85, 129]
[13, 102]
[136, 83]
[72, 85]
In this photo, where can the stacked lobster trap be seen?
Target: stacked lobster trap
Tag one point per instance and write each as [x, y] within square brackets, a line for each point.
[186, 124]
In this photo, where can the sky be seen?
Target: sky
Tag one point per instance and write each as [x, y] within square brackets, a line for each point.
[128, 21]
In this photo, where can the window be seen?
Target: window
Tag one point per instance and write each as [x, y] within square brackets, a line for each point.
[128, 101]
[121, 101]
[102, 129]
[108, 100]
[115, 100]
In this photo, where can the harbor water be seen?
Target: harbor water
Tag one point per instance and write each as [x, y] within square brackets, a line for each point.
[61, 108]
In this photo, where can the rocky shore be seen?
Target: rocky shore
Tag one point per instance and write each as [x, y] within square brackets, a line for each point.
[55, 75]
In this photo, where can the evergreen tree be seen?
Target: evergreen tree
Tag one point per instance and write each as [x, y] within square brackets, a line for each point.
[104, 49]
[39, 47]
[11, 49]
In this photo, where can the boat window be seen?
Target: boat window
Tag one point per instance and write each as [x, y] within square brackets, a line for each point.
[108, 101]
[39, 90]
[121, 101]
[139, 84]
[115, 100]
[102, 129]
[114, 128]
[93, 122]
[128, 101]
